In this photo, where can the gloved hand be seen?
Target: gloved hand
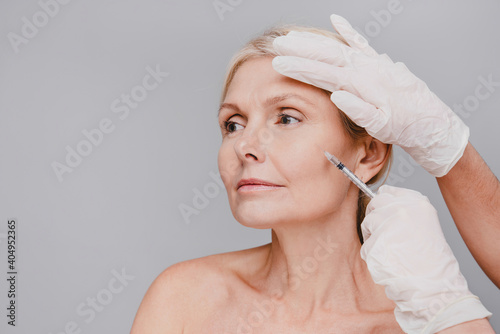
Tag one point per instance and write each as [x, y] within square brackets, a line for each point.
[390, 102]
[405, 251]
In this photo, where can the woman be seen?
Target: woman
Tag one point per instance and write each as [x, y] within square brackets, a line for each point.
[311, 277]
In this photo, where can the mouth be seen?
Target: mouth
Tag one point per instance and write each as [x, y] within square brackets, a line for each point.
[256, 187]
[256, 184]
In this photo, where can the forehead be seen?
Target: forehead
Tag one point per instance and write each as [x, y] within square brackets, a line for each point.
[257, 76]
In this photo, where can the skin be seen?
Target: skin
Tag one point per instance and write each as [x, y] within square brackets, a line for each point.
[310, 278]
[476, 216]
[314, 201]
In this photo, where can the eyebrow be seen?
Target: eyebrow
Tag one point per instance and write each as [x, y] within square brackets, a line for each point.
[269, 102]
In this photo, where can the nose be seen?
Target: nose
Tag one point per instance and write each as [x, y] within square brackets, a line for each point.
[251, 144]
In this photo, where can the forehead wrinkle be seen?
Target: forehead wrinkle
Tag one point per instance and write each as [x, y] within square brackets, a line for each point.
[269, 101]
[280, 98]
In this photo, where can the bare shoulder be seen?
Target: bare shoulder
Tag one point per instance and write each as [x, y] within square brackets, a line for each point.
[162, 309]
[188, 288]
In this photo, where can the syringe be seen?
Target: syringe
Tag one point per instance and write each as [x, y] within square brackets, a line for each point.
[361, 185]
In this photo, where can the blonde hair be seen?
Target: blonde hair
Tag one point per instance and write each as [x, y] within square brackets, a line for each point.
[262, 46]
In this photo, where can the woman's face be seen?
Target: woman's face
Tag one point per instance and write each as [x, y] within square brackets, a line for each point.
[277, 130]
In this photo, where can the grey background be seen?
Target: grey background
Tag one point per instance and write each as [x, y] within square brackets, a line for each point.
[119, 209]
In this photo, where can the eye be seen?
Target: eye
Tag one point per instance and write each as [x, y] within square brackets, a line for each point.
[229, 126]
[286, 116]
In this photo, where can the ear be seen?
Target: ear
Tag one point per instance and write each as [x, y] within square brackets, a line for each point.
[372, 156]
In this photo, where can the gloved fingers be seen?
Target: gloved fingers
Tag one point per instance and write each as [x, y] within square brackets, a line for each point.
[402, 212]
[387, 196]
[352, 37]
[361, 112]
[394, 205]
[398, 191]
[313, 46]
[381, 214]
[381, 220]
[313, 72]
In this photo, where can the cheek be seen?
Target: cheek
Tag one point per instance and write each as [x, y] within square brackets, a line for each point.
[310, 175]
[315, 187]
[225, 165]
[230, 166]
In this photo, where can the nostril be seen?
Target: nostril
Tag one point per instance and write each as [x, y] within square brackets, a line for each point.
[251, 155]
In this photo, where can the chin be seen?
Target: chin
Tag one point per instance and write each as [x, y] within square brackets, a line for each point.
[258, 226]
[263, 221]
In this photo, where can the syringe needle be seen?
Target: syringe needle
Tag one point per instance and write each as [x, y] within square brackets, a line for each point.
[361, 185]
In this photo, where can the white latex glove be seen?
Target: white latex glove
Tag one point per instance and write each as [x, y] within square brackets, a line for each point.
[384, 97]
[405, 251]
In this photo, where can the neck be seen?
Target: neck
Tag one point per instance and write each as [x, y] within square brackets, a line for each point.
[317, 265]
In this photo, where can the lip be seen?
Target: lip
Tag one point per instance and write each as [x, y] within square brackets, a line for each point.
[256, 182]
[256, 188]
